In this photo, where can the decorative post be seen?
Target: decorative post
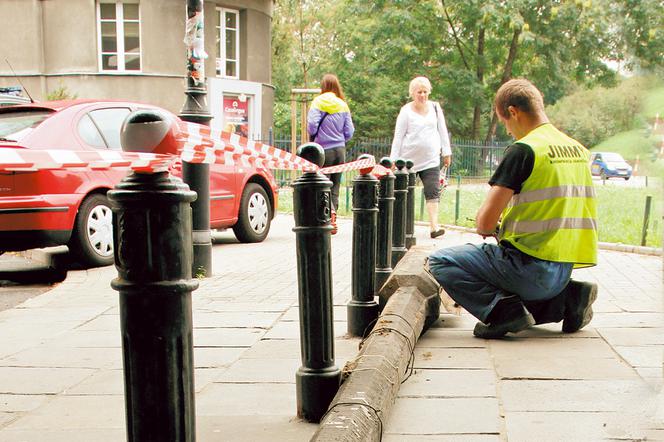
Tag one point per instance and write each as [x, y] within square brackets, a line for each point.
[384, 239]
[317, 380]
[153, 254]
[195, 110]
[410, 206]
[399, 226]
[363, 308]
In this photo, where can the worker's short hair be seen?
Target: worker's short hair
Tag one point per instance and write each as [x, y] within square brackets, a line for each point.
[521, 94]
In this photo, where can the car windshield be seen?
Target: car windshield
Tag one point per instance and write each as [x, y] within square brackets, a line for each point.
[613, 157]
[15, 125]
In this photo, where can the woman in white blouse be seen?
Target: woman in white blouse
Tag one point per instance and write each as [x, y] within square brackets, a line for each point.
[420, 135]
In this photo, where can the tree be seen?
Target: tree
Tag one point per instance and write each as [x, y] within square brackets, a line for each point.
[467, 49]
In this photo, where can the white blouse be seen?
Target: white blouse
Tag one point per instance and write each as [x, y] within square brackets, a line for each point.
[421, 138]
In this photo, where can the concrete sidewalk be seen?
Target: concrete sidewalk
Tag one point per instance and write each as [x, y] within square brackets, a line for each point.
[61, 365]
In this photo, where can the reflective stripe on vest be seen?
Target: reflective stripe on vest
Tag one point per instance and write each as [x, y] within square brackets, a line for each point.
[570, 191]
[550, 224]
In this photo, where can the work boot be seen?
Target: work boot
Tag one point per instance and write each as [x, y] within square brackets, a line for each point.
[436, 233]
[499, 330]
[579, 298]
[508, 318]
[333, 222]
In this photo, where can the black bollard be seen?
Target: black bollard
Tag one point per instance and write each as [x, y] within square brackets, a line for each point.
[399, 222]
[384, 238]
[363, 308]
[317, 380]
[152, 238]
[410, 206]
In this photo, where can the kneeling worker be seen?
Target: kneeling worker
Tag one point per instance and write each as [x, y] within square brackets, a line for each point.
[543, 195]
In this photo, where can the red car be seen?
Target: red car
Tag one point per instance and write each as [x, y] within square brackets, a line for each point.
[55, 207]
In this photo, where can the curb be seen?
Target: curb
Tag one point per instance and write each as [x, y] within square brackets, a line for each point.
[371, 381]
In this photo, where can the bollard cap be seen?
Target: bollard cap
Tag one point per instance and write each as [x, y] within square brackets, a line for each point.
[409, 164]
[149, 131]
[400, 163]
[312, 152]
[366, 170]
[386, 162]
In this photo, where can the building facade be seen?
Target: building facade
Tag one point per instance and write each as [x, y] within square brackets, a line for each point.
[134, 50]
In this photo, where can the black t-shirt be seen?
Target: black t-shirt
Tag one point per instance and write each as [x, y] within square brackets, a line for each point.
[515, 168]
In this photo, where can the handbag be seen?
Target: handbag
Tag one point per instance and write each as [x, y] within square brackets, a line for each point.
[312, 137]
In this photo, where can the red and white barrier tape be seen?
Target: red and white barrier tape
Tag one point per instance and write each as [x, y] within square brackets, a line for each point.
[196, 144]
[205, 145]
[15, 159]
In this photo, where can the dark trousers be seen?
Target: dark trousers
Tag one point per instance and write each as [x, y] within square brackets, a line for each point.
[334, 156]
[478, 277]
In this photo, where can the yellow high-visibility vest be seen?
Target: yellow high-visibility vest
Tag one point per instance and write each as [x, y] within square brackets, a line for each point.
[555, 216]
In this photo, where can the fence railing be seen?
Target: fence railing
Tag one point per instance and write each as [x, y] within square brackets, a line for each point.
[472, 160]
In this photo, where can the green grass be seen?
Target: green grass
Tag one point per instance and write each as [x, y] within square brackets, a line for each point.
[620, 210]
[629, 144]
[653, 104]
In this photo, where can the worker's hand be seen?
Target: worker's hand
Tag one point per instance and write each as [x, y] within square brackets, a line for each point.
[493, 234]
[447, 160]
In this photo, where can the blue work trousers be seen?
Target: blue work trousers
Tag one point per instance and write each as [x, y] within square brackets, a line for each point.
[478, 276]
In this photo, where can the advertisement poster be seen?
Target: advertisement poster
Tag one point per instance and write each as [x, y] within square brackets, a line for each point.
[236, 115]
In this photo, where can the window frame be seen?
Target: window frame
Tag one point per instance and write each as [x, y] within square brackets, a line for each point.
[119, 36]
[220, 30]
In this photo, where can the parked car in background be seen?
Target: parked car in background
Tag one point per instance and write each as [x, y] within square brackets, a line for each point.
[11, 100]
[609, 164]
[56, 207]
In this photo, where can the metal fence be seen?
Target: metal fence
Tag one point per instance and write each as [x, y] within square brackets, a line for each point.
[472, 160]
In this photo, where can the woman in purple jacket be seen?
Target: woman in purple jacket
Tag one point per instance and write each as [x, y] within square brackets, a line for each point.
[331, 126]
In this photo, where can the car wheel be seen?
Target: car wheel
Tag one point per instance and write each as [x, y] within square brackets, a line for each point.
[626, 178]
[92, 238]
[253, 223]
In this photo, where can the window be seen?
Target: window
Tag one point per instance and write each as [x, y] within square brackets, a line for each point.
[228, 43]
[101, 127]
[119, 33]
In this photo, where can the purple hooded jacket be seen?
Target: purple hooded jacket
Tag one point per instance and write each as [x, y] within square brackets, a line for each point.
[337, 127]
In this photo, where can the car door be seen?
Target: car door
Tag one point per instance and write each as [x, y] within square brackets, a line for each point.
[223, 194]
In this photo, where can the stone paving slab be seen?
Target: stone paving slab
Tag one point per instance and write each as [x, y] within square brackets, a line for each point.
[22, 402]
[553, 367]
[65, 435]
[633, 336]
[67, 358]
[430, 383]
[87, 339]
[450, 338]
[75, 412]
[568, 427]
[291, 330]
[441, 438]
[30, 380]
[570, 396]
[444, 416]
[261, 370]
[344, 348]
[432, 357]
[227, 337]
[236, 319]
[280, 428]
[224, 399]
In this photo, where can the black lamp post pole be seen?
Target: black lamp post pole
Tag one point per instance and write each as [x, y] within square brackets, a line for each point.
[195, 110]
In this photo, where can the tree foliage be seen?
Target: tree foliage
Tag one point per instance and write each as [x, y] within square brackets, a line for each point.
[466, 48]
